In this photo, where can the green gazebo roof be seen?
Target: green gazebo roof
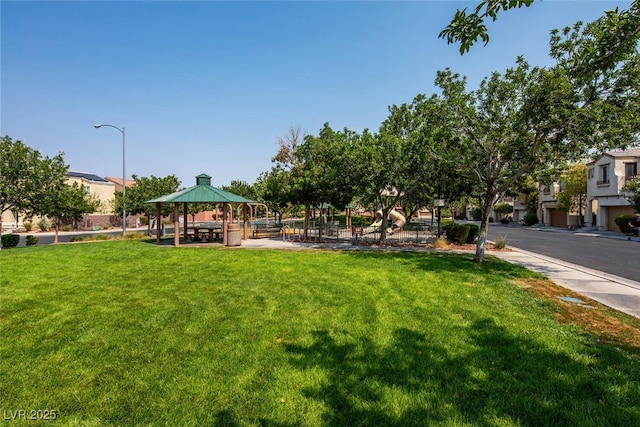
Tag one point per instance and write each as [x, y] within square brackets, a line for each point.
[202, 192]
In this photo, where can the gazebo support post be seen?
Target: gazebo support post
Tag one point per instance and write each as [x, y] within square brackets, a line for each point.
[244, 221]
[158, 220]
[225, 224]
[176, 224]
[185, 229]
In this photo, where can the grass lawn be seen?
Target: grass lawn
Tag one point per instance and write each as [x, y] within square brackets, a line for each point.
[129, 333]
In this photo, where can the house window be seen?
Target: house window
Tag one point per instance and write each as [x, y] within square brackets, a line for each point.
[630, 171]
[87, 189]
[604, 175]
[591, 173]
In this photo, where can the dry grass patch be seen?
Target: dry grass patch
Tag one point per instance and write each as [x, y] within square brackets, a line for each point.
[606, 324]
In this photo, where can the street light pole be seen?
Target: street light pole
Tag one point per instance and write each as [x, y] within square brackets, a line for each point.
[124, 182]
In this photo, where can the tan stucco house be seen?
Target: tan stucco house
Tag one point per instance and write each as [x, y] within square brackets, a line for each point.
[605, 178]
[97, 187]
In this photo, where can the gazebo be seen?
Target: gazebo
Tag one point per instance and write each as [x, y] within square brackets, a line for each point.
[202, 192]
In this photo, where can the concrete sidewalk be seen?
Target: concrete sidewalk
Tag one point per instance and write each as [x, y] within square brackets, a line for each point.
[613, 291]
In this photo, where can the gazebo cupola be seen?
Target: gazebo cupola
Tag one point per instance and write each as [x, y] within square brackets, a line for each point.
[203, 179]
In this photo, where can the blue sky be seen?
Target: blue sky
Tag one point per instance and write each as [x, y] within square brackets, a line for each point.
[208, 86]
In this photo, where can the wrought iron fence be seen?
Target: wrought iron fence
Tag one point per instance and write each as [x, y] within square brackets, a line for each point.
[338, 233]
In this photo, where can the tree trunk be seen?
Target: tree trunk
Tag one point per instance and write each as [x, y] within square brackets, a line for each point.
[306, 221]
[484, 229]
[384, 226]
[55, 237]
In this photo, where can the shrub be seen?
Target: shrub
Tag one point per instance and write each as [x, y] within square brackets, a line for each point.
[28, 225]
[31, 240]
[457, 233]
[530, 218]
[144, 221]
[10, 240]
[44, 225]
[623, 222]
[500, 243]
[474, 230]
[65, 228]
[503, 208]
[440, 243]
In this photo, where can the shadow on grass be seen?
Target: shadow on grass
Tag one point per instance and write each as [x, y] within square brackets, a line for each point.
[504, 378]
[449, 262]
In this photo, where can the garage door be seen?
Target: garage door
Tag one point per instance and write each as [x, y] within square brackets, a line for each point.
[557, 218]
[614, 211]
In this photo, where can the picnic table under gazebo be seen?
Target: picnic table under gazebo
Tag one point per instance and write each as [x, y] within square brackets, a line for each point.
[202, 192]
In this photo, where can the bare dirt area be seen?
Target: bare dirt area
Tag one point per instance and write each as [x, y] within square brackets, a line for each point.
[607, 325]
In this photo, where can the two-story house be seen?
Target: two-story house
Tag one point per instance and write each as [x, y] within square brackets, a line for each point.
[549, 212]
[98, 188]
[605, 178]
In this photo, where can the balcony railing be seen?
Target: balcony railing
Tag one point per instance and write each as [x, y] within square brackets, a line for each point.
[603, 182]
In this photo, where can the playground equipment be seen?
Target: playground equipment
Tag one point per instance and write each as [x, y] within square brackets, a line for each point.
[397, 222]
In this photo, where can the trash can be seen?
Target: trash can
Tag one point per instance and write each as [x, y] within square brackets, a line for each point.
[234, 237]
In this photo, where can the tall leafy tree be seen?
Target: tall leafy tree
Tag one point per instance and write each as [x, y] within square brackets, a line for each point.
[147, 188]
[310, 176]
[411, 154]
[64, 203]
[632, 192]
[600, 63]
[26, 176]
[286, 157]
[533, 117]
[507, 129]
[272, 189]
[573, 197]
[241, 188]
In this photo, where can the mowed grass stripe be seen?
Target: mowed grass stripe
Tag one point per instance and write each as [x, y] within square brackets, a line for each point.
[128, 333]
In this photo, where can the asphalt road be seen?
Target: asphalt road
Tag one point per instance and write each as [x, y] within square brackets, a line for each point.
[47, 239]
[614, 256]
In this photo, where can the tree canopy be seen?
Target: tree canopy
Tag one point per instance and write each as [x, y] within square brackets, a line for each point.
[619, 35]
[632, 192]
[26, 177]
[467, 28]
[147, 188]
[63, 203]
